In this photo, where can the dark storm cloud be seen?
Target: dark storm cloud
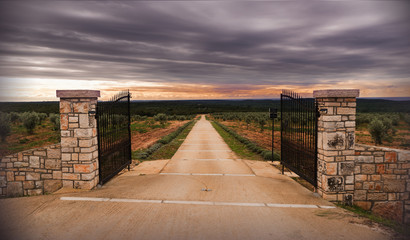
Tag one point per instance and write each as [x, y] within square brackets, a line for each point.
[284, 43]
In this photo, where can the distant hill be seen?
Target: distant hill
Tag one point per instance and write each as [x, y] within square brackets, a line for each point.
[151, 108]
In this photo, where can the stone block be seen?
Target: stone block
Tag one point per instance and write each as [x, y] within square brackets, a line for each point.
[375, 177]
[65, 106]
[73, 119]
[74, 156]
[329, 125]
[85, 143]
[88, 176]
[63, 122]
[52, 185]
[331, 168]
[53, 164]
[334, 141]
[350, 124]
[404, 156]
[360, 177]
[84, 185]
[389, 210]
[53, 153]
[28, 184]
[380, 168]
[335, 184]
[46, 176]
[84, 121]
[378, 159]
[391, 196]
[390, 157]
[66, 157]
[19, 178]
[84, 168]
[368, 185]
[368, 168]
[365, 159]
[81, 107]
[336, 118]
[346, 111]
[14, 189]
[349, 187]
[391, 185]
[71, 176]
[85, 156]
[67, 142]
[40, 153]
[73, 125]
[377, 196]
[86, 132]
[34, 161]
[57, 175]
[34, 192]
[349, 179]
[32, 176]
[68, 184]
[366, 205]
[346, 168]
[89, 149]
[359, 195]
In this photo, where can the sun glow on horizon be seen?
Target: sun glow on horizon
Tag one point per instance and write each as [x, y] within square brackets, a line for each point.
[34, 89]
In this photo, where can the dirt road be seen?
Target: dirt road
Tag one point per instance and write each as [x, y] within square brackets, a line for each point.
[203, 192]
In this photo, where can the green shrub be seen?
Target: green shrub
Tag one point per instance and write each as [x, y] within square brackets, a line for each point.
[30, 121]
[262, 123]
[41, 117]
[5, 128]
[377, 130]
[55, 120]
[15, 117]
[161, 117]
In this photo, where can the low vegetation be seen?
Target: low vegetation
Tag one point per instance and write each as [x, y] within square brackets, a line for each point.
[255, 148]
[160, 149]
[390, 130]
[26, 130]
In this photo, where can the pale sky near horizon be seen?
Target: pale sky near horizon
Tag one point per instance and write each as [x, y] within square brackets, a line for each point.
[203, 49]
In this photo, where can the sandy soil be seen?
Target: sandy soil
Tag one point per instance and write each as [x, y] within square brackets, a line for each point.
[144, 140]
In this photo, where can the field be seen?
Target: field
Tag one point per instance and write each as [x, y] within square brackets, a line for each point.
[20, 139]
[146, 130]
[249, 125]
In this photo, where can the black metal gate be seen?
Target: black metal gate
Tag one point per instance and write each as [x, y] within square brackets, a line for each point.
[299, 135]
[114, 135]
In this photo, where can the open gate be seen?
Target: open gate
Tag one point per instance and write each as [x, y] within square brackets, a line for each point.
[114, 135]
[299, 135]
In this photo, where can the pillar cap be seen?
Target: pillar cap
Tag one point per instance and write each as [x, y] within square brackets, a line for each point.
[78, 93]
[336, 93]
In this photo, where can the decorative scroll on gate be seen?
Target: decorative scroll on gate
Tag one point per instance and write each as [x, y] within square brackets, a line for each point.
[299, 135]
[114, 135]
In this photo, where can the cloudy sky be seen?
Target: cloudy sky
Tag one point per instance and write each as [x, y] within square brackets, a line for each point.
[203, 49]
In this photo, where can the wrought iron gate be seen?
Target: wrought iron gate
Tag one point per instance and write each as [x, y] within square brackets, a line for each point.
[299, 135]
[114, 135]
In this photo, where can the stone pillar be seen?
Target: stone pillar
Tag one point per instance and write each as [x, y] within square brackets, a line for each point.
[79, 143]
[336, 143]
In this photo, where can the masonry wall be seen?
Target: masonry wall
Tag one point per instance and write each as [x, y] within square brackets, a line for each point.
[79, 143]
[336, 142]
[31, 172]
[382, 181]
